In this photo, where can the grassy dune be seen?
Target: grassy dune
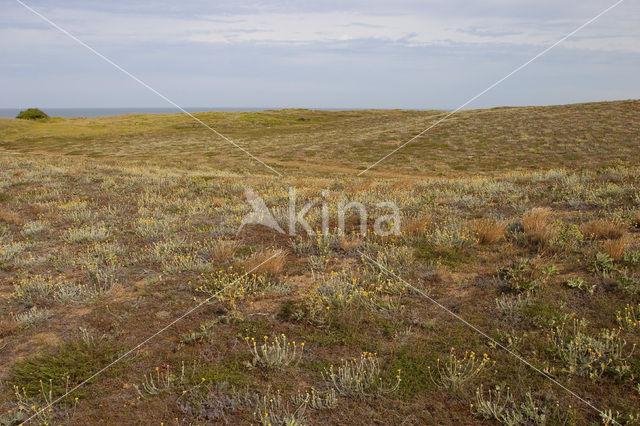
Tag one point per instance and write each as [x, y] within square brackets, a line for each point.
[325, 142]
[525, 222]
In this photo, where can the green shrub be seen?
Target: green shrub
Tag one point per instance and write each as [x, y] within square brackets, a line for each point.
[360, 377]
[579, 283]
[591, 355]
[64, 366]
[632, 257]
[524, 276]
[277, 354]
[499, 404]
[603, 264]
[32, 114]
[414, 360]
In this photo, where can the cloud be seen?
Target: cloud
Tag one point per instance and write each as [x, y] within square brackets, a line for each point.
[429, 26]
[331, 53]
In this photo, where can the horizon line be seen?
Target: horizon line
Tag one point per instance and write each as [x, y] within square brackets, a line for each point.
[269, 108]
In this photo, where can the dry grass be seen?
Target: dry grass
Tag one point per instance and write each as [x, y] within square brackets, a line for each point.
[268, 261]
[416, 225]
[350, 243]
[488, 231]
[223, 250]
[617, 247]
[601, 229]
[609, 129]
[10, 217]
[8, 328]
[538, 226]
[635, 222]
[357, 187]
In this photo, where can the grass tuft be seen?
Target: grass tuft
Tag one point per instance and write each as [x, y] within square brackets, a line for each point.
[266, 262]
[489, 231]
[538, 227]
[617, 248]
[601, 229]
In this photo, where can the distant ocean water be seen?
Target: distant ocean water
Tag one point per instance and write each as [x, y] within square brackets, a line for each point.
[100, 112]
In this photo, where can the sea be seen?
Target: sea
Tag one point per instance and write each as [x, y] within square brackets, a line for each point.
[102, 112]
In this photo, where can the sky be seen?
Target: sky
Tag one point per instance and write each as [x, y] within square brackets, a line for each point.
[419, 54]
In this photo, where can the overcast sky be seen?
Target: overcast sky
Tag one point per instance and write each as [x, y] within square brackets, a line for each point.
[328, 54]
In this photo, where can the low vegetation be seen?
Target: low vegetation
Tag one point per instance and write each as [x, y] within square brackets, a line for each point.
[32, 114]
[135, 221]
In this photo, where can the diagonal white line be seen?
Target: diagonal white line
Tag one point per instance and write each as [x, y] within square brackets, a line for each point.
[145, 341]
[482, 333]
[76, 39]
[491, 87]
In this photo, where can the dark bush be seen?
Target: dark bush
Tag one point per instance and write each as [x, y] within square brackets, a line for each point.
[60, 368]
[32, 114]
